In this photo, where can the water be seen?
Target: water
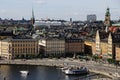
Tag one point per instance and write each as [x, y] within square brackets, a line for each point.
[12, 72]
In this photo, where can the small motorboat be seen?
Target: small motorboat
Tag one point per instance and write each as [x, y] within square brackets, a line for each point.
[64, 68]
[25, 73]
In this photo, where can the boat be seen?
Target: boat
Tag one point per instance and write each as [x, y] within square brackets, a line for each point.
[64, 68]
[25, 73]
[76, 71]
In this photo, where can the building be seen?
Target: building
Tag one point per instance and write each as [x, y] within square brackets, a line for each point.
[108, 47]
[90, 48]
[42, 45]
[74, 46]
[91, 18]
[5, 49]
[13, 48]
[55, 47]
[117, 49]
[114, 45]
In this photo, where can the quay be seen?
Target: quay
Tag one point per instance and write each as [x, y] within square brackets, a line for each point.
[105, 69]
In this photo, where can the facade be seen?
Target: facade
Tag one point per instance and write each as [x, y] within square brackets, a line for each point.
[11, 48]
[74, 46]
[5, 49]
[42, 45]
[117, 49]
[55, 47]
[90, 47]
[103, 46]
[109, 48]
[91, 18]
[98, 45]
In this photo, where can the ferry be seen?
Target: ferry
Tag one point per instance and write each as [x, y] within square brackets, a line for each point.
[76, 71]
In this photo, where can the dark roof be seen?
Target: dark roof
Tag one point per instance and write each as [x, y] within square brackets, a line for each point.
[74, 39]
[103, 35]
[5, 33]
[116, 38]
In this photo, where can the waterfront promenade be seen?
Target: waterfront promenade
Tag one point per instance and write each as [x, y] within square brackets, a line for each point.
[105, 69]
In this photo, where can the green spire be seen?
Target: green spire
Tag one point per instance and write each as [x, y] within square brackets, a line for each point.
[107, 12]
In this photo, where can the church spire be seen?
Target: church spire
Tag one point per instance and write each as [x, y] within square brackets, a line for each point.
[107, 18]
[33, 17]
[107, 12]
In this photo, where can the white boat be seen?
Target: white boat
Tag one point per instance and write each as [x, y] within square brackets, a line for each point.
[25, 73]
[64, 68]
[76, 71]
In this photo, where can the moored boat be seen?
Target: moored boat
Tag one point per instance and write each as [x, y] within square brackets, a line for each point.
[24, 72]
[76, 71]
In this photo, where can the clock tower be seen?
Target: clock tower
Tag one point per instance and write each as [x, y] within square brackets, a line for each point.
[107, 17]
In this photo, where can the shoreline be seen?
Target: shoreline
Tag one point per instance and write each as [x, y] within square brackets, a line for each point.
[95, 68]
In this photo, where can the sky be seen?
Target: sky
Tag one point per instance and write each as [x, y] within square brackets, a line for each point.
[58, 9]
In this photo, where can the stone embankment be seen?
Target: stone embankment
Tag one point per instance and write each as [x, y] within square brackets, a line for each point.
[105, 69]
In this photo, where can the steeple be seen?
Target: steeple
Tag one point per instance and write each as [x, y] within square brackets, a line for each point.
[97, 41]
[97, 36]
[33, 17]
[107, 18]
[107, 12]
[110, 38]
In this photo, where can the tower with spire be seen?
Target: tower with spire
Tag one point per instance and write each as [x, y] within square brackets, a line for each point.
[111, 49]
[107, 19]
[33, 17]
[97, 41]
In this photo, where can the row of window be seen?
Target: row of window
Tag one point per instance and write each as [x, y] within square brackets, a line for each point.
[14, 45]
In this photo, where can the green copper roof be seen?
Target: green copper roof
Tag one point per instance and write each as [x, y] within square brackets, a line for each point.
[117, 24]
[107, 12]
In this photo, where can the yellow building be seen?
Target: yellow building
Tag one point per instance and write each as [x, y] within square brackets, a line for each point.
[4, 49]
[11, 48]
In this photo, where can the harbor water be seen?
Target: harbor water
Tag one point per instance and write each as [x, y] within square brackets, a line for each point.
[12, 72]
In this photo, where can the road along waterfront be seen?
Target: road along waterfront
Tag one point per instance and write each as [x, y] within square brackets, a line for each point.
[104, 69]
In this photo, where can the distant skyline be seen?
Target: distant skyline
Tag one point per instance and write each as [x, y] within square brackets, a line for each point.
[59, 9]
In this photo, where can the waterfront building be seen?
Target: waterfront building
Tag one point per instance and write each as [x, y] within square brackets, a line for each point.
[114, 44]
[97, 41]
[103, 46]
[11, 48]
[5, 49]
[55, 47]
[90, 47]
[42, 45]
[74, 46]
[117, 49]
[107, 47]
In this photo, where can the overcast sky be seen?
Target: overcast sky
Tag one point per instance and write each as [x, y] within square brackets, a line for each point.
[58, 9]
